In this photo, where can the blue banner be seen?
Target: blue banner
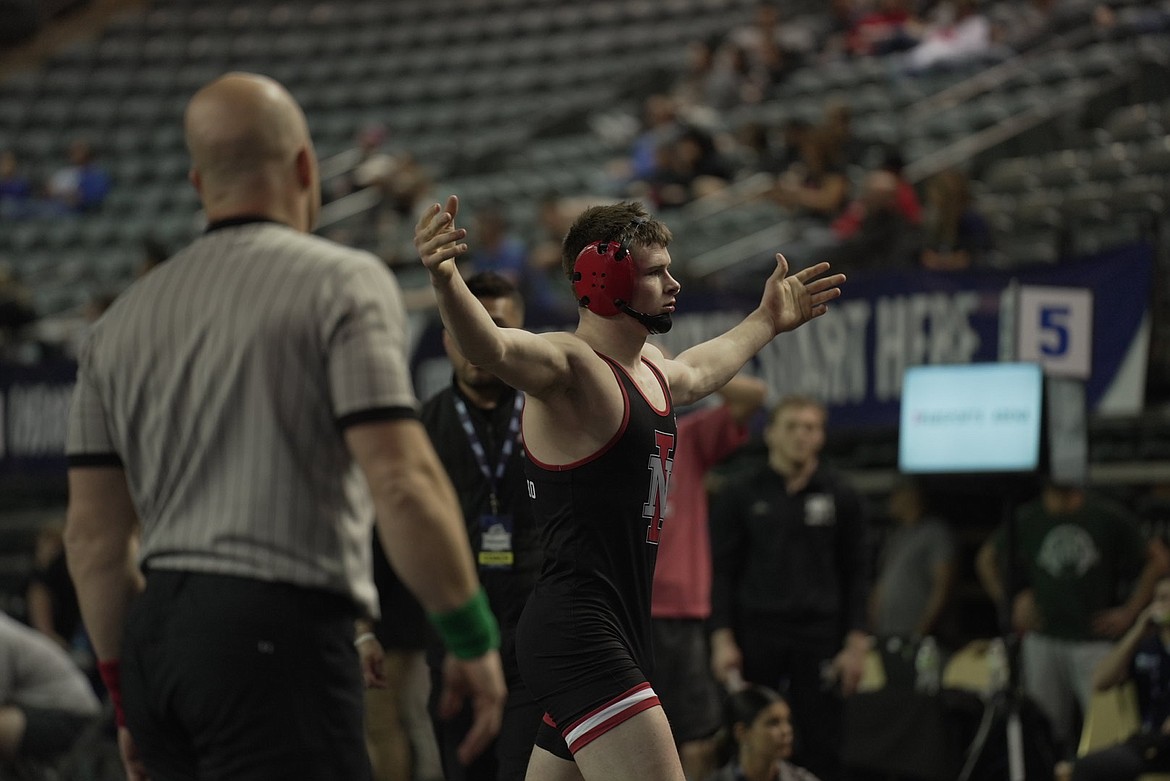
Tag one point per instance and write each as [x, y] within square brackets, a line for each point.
[853, 358]
[34, 412]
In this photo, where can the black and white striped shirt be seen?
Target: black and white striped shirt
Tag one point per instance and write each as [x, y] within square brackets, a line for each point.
[222, 382]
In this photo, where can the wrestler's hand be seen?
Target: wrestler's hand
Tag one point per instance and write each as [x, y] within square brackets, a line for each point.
[436, 239]
[482, 681]
[791, 301]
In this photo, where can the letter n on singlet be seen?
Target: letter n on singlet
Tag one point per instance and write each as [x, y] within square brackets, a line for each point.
[660, 464]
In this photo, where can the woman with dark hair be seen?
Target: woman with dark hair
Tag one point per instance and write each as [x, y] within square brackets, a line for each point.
[757, 738]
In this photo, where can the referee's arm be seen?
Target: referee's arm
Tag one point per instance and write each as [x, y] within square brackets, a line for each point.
[418, 514]
[421, 524]
[100, 545]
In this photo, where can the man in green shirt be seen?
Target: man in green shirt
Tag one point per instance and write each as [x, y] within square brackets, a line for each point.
[1083, 572]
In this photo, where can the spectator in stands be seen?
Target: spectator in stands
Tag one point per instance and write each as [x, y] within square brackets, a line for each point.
[659, 125]
[737, 80]
[916, 568]
[956, 236]
[873, 232]
[81, 185]
[16, 189]
[759, 737]
[792, 135]
[721, 75]
[45, 701]
[1081, 575]
[1143, 656]
[904, 199]
[841, 16]
[838, 123]
[548, 295]
[891, 27]
[907, 197]
[769, 46]
[816, 185]
[495, 248]
[959, 33]
[752, 147]
[1020, 26]
[692, 168]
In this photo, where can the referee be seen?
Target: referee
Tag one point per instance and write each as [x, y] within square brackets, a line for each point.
[240, 415]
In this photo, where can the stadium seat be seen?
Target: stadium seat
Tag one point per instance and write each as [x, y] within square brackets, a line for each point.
[1113, 717]
[1135, 123]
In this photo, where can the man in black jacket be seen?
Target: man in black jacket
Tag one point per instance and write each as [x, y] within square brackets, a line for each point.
[789, 543]
[475, 427]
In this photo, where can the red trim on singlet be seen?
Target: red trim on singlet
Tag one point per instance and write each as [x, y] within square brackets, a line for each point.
[661, 384]
[639, 698]
[604, 448]
[615, 367]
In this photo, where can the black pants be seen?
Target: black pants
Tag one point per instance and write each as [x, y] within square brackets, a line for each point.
[233, 678]
[776, 657]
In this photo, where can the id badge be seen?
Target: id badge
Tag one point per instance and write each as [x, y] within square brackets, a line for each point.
[495, 545]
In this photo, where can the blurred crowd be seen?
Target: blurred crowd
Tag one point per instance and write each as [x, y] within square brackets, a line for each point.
[77, 186]
[849, 200]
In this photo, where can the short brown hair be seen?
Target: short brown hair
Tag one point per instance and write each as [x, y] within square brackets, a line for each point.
[799, 401]
[613, 222]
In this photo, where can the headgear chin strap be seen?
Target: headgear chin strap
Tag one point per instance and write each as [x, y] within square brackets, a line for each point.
[655, 324]
[603, 280]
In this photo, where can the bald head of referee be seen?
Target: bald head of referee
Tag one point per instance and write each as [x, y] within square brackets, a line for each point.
[251, 153]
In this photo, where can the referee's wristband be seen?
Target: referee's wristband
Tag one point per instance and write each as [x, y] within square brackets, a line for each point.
[470, 630]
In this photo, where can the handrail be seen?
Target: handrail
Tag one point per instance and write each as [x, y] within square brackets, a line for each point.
[739, 191]
[989, 78]
[967, 147]
[348, 206]
[340, 163]
[715, 260]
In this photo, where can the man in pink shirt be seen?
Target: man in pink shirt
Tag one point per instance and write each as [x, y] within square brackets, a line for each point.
[681, 602]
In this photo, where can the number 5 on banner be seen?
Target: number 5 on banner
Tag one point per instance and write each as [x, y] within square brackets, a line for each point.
[1056, 329]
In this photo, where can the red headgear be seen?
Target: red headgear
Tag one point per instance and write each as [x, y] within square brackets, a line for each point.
[603, 274]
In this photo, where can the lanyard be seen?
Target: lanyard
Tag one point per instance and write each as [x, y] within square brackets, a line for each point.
[493, 478]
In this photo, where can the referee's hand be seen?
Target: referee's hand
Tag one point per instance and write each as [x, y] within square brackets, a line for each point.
[131, 761]
[482, 681]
